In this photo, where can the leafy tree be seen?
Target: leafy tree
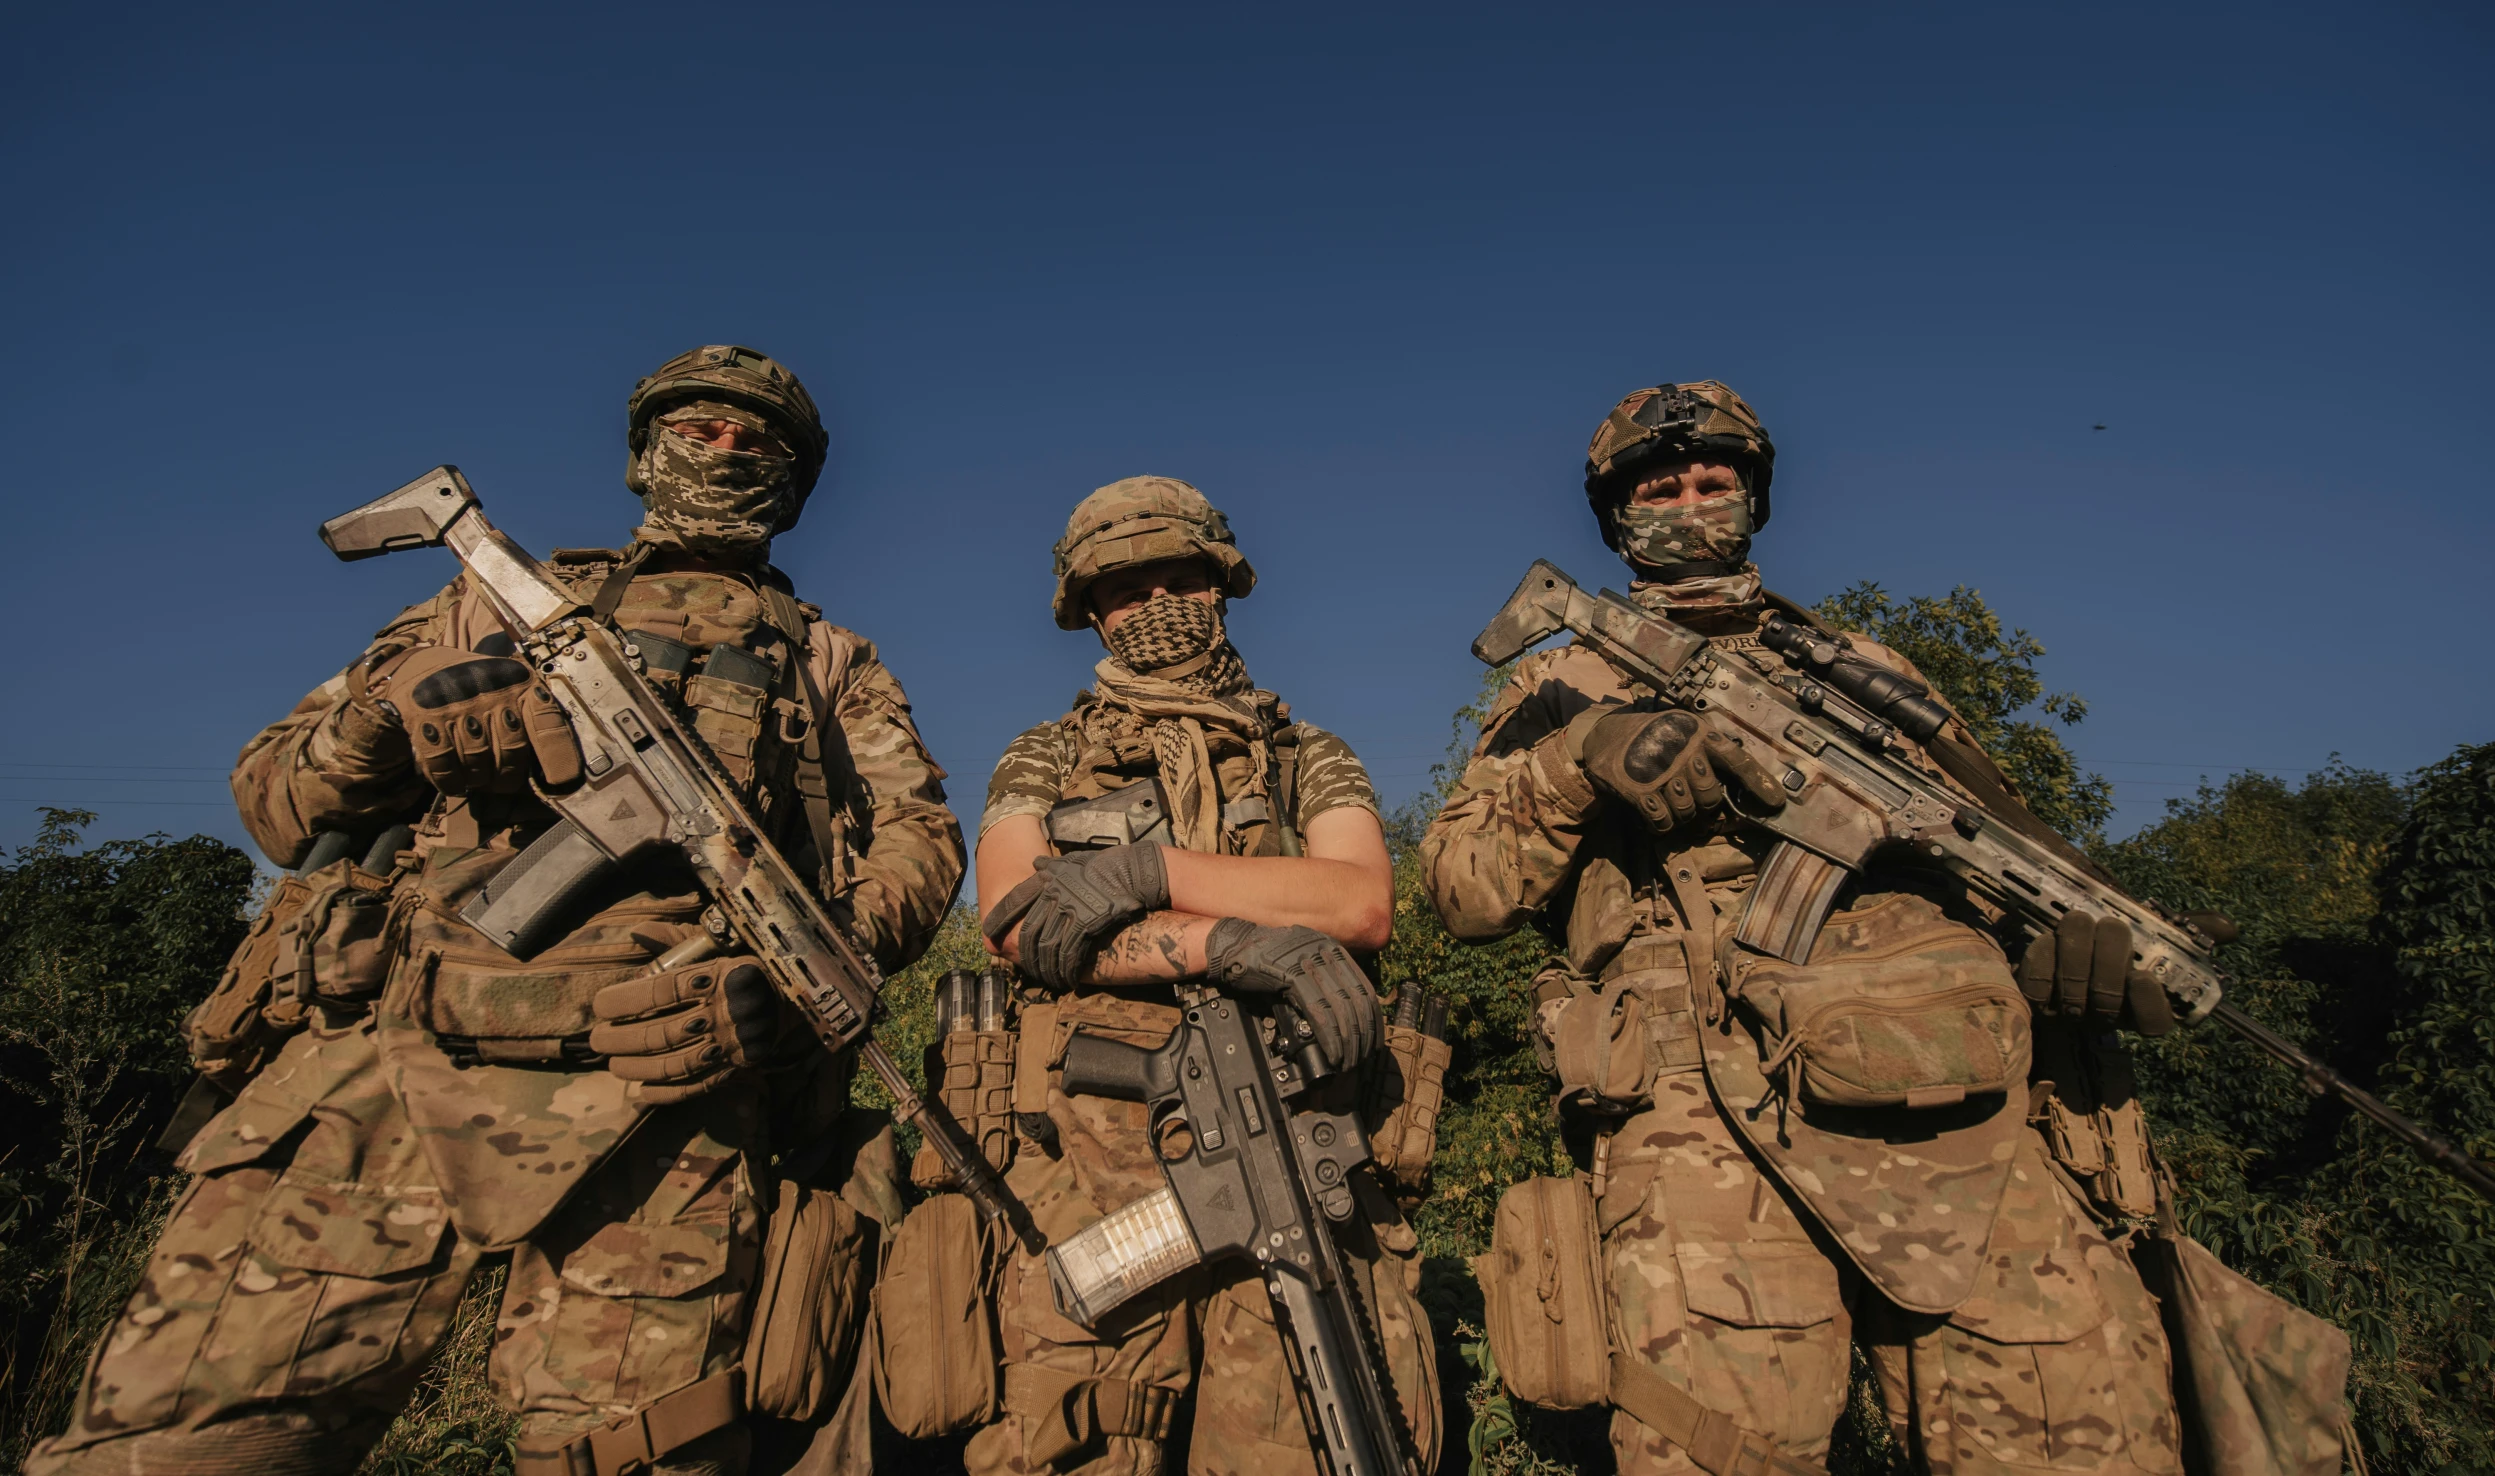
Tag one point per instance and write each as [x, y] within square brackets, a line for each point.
[1989, 675]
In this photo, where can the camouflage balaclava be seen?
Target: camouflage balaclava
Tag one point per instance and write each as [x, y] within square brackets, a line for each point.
[1712, 530]
[1694, 556]
[721, 504]
[711, 501]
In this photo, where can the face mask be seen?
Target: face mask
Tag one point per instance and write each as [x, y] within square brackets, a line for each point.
[1710, 530]
[1164, 631]
[710, 501]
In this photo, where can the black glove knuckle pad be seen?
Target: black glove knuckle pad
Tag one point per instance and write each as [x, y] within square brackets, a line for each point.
[467, 680]
[1656, 745]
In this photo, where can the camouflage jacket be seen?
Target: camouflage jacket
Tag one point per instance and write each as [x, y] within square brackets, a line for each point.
[1525, 837]
[903, 854]
[467, 1033]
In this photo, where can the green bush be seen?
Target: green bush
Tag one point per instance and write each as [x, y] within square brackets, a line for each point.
[102, 951]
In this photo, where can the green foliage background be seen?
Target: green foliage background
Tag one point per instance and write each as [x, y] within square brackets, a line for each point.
[2365, 910]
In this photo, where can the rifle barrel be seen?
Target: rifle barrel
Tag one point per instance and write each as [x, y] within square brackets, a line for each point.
[2322, 1081]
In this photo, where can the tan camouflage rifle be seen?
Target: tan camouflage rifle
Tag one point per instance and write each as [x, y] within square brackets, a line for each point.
[1828, 725]
[649, 785]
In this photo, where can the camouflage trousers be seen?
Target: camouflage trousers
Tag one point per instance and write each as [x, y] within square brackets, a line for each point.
[301, 1284]
[2056, 1363]
[1107, 1402]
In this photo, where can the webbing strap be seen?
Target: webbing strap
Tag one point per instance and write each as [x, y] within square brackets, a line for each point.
[825, 742]
[1716, 1442]
[610, 595]
[629, 1443]
[1064, 1412]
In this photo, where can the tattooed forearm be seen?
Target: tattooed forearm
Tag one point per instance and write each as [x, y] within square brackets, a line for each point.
[1153, 948]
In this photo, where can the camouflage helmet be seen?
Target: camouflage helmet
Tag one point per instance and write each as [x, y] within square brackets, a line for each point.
[738, 376]
[1675, 420]
[1137, 521]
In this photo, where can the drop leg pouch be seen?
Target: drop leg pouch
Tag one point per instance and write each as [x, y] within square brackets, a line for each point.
[1542, 1294]
[2261, 1384]
[936, 1355]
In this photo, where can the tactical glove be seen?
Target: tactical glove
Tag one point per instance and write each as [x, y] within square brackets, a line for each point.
[680, 1034]
[1326, 989]
[1072, 905]
[472, 722]
[2082, 971]
[1666, 764]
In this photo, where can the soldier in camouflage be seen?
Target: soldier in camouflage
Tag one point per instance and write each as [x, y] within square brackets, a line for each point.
[611, 1127]
[1272, 859]
[1748, 1234]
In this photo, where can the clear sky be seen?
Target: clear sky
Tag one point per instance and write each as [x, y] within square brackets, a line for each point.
[1369, 275]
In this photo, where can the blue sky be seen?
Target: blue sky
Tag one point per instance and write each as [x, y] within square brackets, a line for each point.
[1368, 275]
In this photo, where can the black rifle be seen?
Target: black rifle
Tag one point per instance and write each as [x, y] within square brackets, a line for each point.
[650, 787]
[1259, 1148]
[1828, 724]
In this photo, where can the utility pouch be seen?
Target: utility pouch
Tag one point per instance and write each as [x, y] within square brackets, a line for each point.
[1542, 1295]
[2260, 1383]
[1599, 1048]
[320, 938]
[809, 1303]
[341, 954]
[233, 1032]
[972, 1060]
[1898, 1007]
[936, 1359]
[1406, 1089]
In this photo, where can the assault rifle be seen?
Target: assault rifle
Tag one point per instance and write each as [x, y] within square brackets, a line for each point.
[649, 787]
[1258, 1145]
[1828, 723]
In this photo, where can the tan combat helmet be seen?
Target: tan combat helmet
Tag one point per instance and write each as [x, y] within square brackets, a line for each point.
[1136, 521]
[1675, 420]
[737, 376]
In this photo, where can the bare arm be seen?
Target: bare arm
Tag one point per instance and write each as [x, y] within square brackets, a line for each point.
[1344, 887]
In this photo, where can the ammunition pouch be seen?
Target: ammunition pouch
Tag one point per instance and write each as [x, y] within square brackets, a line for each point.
[1898, 1007]
[976, 1069]
[322, 939]
[1543, 1294]
[483, 1005]
[1407, 1085]
[935, 1340]
[972, 1064]
[2089, 1116]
